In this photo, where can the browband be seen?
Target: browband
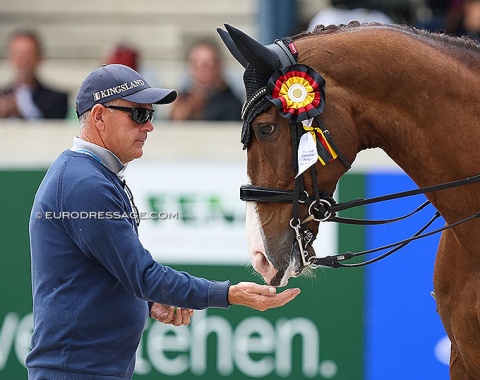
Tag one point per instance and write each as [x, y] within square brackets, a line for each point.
[284, 54]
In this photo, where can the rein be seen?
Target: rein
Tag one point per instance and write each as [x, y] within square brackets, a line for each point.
[335, 261]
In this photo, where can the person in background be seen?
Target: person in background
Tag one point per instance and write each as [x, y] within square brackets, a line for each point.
[343, 12]
[207, 96]
[124, 54]
[471, 19]
[462, 18]
[93, 282]
[129, 54]
[27, 97]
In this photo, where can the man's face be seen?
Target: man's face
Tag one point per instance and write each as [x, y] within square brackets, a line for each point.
[205, 65]
[122, 135]
[472, 16]
[24, 57]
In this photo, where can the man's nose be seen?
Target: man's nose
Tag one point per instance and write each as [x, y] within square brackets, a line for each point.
[148, 126]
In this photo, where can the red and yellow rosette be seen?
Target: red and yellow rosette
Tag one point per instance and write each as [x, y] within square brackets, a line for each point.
[298, 92]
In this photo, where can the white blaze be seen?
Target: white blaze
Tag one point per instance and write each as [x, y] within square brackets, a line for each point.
[255, 245]
[253, 229]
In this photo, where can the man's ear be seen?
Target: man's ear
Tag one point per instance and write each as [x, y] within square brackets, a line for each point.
[97, 116]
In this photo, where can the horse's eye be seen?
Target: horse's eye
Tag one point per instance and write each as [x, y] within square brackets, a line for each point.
[266, 129]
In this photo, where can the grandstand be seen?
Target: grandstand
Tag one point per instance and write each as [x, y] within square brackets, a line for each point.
[77, 34]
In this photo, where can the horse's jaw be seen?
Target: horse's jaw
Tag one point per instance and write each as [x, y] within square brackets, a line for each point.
[276, 275]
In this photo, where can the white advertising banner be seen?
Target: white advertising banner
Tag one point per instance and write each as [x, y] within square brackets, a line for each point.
[192, 213]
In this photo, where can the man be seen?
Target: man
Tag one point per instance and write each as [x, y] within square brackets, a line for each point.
[471, 18]
[94, 284]
[207, 97]
[27, 97]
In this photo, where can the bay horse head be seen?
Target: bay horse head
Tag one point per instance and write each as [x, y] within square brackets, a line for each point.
[287, 145]
[313, 101]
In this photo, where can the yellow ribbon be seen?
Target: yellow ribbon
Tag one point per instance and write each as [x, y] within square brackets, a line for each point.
[314, 130]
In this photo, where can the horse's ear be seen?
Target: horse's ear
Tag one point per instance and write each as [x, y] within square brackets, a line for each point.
[263, 60]
[227, 40]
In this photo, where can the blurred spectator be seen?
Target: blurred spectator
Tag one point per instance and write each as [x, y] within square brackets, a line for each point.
[343, 12]
[471, 18]
[463, 18]
[207, 95]
[123, 54]
[26, 97]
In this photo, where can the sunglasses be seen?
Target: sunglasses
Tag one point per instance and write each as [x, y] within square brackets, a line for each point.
[139, 115]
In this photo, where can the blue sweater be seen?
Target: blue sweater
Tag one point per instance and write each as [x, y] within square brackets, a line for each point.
[92, 279]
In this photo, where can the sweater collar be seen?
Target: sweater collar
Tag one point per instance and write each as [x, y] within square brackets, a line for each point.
[100, 154]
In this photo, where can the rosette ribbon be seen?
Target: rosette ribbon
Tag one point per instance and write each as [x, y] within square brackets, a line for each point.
[298, 92]
[313, 147]
[325, 151]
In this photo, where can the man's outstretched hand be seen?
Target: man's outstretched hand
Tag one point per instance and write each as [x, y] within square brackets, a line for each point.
[260, 297]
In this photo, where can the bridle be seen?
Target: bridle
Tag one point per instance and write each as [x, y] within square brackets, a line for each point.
[323, 208]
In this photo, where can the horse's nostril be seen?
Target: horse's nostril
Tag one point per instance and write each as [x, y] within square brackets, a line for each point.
[264, 261]
[260, 262]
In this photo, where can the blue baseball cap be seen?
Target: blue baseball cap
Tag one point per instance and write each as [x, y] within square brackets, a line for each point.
[117, 81]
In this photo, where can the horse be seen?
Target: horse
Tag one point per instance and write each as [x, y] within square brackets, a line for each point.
[317, 99]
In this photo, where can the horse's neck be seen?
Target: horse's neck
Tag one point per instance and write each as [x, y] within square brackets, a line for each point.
[418, 104]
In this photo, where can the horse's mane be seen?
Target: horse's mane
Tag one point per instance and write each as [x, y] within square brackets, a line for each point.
[437, 38]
